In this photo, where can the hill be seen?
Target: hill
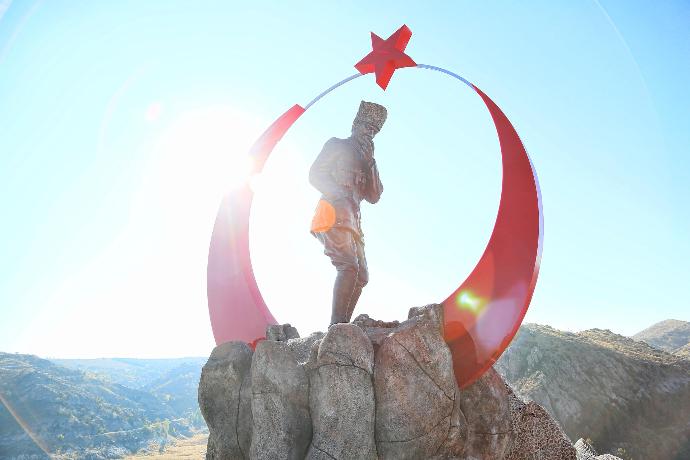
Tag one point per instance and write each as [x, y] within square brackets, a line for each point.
[620, 393]
[683, 352]
[178, 387]
[671, 335]
[72, 414]
[134, 373]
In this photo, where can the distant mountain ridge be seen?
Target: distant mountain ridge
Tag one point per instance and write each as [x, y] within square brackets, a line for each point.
[621, 393]
[671, 335]
[75, 413]
[683, 352]
[132, 372]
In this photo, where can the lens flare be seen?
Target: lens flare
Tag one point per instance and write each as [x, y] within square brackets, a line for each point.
[467, 301]
[41, 445]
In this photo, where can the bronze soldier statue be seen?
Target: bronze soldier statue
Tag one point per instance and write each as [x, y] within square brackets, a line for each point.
[345, 172]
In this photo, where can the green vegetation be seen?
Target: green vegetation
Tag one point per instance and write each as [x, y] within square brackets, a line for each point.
[82, 412]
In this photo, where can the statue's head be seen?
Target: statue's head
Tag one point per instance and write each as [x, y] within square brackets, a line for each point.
[369, 120]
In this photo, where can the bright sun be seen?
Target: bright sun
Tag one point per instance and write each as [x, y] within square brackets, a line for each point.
[204, 153]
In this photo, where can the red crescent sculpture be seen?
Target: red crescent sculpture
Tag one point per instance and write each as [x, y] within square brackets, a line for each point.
[481, 317]
[237, 309]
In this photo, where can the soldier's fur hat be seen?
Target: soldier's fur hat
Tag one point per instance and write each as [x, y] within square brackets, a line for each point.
[371, 113]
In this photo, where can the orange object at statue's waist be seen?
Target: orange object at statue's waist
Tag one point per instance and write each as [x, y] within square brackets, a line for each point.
[324, 217]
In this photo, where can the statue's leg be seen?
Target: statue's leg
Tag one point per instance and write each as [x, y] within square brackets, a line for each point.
[340, 247]
[362, 277]
[343, 292]
[353, 301]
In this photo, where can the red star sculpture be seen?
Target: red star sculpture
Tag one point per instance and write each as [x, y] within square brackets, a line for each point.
[386, 56]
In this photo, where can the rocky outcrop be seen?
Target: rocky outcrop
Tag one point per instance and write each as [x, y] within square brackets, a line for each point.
[367, 390]
[224, 397]
[415, 386]
[585, 451]
[282, 426]
[535, 435]
[631, 399]
[341, 395]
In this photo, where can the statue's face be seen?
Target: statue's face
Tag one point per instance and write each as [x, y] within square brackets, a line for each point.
[364, 130]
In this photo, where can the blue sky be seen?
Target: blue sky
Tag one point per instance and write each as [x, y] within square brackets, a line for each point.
[123, 123]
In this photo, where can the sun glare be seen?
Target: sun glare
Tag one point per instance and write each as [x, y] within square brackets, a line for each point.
[155, 268]
[204, 152]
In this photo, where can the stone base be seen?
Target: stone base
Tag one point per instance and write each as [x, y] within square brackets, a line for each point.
[367, 390]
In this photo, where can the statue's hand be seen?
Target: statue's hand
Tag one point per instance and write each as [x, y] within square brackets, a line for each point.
[367, 150]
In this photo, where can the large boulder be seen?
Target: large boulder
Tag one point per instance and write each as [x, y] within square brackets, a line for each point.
[486, 406]
[341, 395]
[225, 399]
[368, 390]
[282, 426]
[414, 384]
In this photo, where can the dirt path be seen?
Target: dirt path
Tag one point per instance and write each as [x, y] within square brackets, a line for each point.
[187, 449]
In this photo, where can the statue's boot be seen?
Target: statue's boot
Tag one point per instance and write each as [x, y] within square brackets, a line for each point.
[343, 291]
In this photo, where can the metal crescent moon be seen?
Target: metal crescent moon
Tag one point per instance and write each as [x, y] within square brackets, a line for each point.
[481, 316]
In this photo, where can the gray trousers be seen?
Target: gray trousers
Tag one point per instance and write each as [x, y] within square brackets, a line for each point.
[346, 251]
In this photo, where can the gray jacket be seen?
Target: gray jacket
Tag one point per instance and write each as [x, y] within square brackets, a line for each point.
[344, 178]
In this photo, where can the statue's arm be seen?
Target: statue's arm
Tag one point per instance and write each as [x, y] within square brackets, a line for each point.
[373, 186]
[321, 172]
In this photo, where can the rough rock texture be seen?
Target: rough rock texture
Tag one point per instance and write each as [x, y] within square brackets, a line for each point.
[341, 395]
[415, 387]
[282, 426]
[281, 332]
[370, 390]
[535, 434]
[585, 451]
[624, 395]
[486, 405]
[224, 398]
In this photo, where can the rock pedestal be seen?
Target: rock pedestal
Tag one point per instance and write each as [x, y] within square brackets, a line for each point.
[341, 395]
[367, 390]
[225, 399]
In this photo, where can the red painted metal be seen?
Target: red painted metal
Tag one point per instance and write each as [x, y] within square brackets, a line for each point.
[482, 316]
[236, 307]
[386, 56]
